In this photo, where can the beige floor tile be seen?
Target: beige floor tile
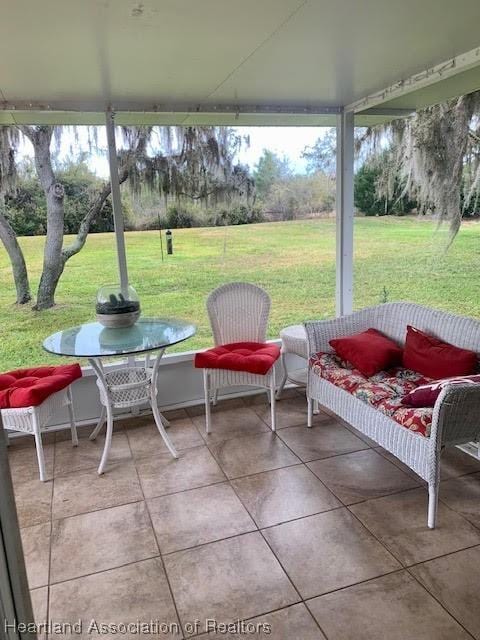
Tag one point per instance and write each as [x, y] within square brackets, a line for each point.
[145, 439]
[223, 405]
[261, 397]
[463, 496]
[34, 501]
[283, 494]
[400, 522]
[394, 460]
[39, 599]
[231, 423]
[252, 454]
[228, 580]
[328, 551]
[137, 592]
[24, 464]
[292, 623]
[454, 581]
[83, 432]
[327, 439]
[162, 474]
[87, 491]
[198, 516]
[175, 414]
[36, 551]
[393, 607]
[358, 476]
[359, 434]
[101, 540]
[455, 463]
[88, 453]
[290, 412]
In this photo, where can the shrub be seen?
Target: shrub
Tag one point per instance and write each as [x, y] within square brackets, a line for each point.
[183, 216]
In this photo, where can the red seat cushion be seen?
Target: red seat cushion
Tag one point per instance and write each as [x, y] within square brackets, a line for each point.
[369, 351]
[250, 357]
[384, 391]
[436, 359]
[30, 387]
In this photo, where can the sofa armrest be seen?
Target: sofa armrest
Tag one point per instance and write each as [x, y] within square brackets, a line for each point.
[320, 332]
[456, 415]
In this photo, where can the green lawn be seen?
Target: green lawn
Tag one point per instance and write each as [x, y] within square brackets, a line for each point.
[294, 261]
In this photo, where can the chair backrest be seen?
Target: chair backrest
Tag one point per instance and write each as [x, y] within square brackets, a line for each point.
[238, 312]
[392, 319]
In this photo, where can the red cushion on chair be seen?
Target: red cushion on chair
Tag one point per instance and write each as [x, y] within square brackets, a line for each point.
[250, 357]
[436, 359]
[30, 387]
[369, 351]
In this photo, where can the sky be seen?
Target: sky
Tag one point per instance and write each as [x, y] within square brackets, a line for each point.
[284, 141]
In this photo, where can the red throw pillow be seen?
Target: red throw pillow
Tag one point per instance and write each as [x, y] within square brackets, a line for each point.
[369, 351]
[436, 359]
[427, 394]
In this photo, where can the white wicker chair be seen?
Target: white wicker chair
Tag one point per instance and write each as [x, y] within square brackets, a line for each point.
[238, 312]
[456, 414]
[34, 419]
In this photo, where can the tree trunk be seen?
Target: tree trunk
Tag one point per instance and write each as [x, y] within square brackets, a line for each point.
[48, 285]
[19, 268]
[53, 262]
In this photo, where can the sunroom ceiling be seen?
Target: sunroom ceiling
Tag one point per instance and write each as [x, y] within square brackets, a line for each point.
[224, 62]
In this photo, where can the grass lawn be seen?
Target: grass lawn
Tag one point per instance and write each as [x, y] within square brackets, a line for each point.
[294, 261]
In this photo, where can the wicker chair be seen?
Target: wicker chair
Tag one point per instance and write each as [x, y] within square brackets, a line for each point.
[456, 414]
[238, 312]
[33, 420]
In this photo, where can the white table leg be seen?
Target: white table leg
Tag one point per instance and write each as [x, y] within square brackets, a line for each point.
[101, 420]
[98, 368]
[153, 401]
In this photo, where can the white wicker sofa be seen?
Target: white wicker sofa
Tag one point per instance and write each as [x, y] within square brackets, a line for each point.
[456, 414]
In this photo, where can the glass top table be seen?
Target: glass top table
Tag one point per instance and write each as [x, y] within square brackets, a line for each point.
[93, 340]
[129, 386]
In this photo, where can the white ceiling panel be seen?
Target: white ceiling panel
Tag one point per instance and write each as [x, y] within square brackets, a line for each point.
[172, 55]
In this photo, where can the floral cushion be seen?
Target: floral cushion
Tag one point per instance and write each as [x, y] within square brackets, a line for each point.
[333, 369]
[383, 391]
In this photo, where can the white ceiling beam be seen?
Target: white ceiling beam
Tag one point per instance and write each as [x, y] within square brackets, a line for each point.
[432, 75]
[142, 107]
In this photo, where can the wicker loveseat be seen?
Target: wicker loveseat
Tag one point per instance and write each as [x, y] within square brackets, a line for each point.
[455, 418]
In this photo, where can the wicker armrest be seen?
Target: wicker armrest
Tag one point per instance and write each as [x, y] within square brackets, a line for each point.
[456, 415]
[320, 332]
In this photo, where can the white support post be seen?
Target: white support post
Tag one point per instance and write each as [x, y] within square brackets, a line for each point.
[344, 212]
[116, 201]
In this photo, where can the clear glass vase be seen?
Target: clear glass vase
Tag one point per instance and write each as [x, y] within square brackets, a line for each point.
[117, 307]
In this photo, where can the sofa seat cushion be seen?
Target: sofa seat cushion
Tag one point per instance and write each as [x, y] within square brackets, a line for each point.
[31, 387]
[249, 357]
[384, 391]
[336, 371]
[417, 419]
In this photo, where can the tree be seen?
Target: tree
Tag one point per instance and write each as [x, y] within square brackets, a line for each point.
[373, 197]
[435, 156]
[301, 195]
[365, 190]
[321, 156]
[268, 170]
[191, 162]
[26, 207]
[8, 141]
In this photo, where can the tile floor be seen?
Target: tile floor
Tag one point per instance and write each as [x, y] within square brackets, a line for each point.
[304, 535]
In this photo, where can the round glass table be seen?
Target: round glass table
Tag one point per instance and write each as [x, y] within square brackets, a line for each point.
[125, 387]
